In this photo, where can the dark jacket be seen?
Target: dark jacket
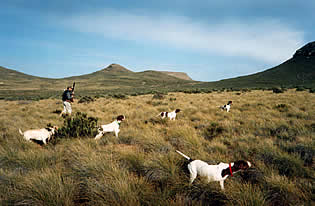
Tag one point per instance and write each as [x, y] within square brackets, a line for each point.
[67, 95]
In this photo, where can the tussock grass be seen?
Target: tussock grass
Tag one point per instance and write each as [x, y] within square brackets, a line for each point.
[275, 132]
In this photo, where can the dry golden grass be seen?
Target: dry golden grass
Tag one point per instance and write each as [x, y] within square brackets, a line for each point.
[273, 131]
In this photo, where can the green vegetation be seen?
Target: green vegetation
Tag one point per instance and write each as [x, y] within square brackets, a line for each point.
[275, 132]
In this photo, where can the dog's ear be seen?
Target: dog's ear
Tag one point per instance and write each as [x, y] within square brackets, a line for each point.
[241, 164]
[177, 110]
[120, 118]
[48, 129]
[230, 102]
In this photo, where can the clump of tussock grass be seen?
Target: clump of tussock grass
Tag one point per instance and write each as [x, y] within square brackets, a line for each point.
[44, 187]
[212, 131]
[247, 195]
[183, 137]
[204, 194]
[285, 164]
[281, 191]
[305, 152]
[282, 132]
[156, 103]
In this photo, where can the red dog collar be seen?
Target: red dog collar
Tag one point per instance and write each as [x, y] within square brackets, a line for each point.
[230, 169]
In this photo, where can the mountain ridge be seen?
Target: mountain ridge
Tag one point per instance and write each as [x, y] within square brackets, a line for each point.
[296, 71]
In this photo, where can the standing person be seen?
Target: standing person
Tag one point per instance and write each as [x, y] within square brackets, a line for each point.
[67, 98]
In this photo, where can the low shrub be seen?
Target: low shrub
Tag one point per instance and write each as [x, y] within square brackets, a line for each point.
[282, 107]
[78, 126]
[57, 111]
[86, 99]
[193, 91]
[277, 90]
[158, 96]
[246, 90]
[300, 89]
[253, 176]
[119, 96]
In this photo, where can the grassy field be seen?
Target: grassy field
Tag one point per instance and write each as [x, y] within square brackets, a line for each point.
[275, 132]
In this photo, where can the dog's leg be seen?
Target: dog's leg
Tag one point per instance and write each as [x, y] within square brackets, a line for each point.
[116, 133]
[222, 184]
[193, 174]
[99, 135]
[192, 177]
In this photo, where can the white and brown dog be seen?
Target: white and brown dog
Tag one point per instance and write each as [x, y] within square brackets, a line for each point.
[43, 135]
[171, 115]
[226, 107]
[214, 172]
[112, 127]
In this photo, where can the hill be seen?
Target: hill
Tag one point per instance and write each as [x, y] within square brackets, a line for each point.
[112, 79]
[297, 71]
[180, 75]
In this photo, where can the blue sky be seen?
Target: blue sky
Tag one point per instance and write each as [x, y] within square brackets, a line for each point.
[208, 39]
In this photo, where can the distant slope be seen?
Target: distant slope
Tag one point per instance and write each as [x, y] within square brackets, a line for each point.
[299, 70]
[180, 75]
[110, 78]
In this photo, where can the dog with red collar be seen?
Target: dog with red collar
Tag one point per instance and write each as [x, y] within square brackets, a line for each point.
[214, 172]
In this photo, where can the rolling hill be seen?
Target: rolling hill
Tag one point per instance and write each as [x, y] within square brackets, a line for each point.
[297, 71]
[112, 79]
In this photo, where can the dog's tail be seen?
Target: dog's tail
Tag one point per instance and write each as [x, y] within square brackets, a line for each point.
[21, 131]
[183, 155]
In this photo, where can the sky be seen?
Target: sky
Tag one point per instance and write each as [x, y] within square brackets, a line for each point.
[210, 40]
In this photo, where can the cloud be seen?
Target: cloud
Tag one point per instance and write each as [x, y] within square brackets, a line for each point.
[265, 40]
